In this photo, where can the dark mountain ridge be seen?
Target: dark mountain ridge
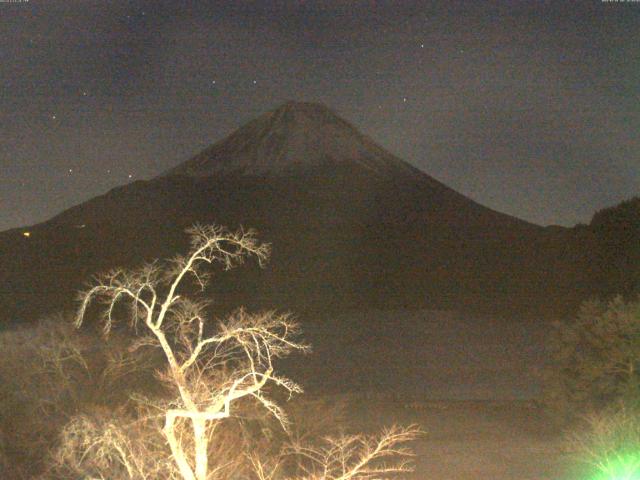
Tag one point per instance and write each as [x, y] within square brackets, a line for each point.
[352, 226]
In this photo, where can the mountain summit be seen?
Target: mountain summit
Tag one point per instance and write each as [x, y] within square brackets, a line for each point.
[297, 136]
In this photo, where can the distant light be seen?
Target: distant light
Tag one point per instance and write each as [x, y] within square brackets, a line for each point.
[26, 234]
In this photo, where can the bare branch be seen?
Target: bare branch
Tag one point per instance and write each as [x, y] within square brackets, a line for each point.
[358, 456]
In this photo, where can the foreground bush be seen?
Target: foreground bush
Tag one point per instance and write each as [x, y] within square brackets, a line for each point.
[593, 386]
[607, 444]
[49, 372]
[216, 375]
[595, 359]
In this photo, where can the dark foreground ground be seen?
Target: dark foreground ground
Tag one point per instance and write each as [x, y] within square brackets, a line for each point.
[472, 383]
[469, 383]
[475, 440]
[425, 355]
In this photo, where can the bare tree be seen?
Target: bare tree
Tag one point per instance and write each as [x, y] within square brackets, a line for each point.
[346, 457]
[209, 372]
[209, 369]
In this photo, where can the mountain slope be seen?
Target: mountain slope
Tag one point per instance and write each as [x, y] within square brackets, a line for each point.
[351, 225]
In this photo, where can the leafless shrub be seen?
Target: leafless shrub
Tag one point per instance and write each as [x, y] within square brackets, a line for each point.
[50, 372]
[105, 445]
[31, 392]
[355, 457]
[608, 441]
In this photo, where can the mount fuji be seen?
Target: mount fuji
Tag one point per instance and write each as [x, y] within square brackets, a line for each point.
[351, 226]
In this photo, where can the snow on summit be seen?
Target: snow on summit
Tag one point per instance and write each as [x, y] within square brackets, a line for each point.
[296, 136]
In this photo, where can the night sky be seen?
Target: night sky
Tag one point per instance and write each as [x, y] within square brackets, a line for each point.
[531, 108]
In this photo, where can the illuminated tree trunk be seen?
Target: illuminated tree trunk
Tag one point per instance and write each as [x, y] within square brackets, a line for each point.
[176, 449]
[201, 447]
